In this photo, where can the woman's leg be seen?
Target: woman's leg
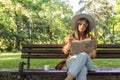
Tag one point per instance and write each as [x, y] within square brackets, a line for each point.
[69, 77]
[82, 74]
[69, 62]
[77, 64]
[89, 63]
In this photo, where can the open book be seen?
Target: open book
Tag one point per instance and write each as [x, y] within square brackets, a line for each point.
[85, 45]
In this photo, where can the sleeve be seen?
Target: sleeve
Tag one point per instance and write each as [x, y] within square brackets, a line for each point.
[93, 53]
[67, 45]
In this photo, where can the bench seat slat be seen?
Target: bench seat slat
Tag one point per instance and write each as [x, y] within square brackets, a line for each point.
[64, 71]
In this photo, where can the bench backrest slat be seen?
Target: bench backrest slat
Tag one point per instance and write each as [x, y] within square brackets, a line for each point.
[42, 46]
[60, 46]
[55, 51]
[52, 56]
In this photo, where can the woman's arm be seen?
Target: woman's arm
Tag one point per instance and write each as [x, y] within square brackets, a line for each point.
[66, 47]
[93, 54]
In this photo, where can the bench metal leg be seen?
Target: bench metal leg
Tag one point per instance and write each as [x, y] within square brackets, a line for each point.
[28, 63]
[21, 67]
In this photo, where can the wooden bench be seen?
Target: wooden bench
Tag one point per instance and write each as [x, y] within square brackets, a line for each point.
[53, 51]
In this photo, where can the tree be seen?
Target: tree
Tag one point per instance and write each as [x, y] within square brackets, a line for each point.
[33, 22]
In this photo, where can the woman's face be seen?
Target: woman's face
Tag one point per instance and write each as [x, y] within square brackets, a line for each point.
[82, 26]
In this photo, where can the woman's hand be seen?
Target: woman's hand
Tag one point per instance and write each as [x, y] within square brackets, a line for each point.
[92, 54]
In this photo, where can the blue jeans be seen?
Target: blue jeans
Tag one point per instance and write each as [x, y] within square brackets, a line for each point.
[78, 65]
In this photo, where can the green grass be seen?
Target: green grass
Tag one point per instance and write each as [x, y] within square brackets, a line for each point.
[107, 63]
[12, 60]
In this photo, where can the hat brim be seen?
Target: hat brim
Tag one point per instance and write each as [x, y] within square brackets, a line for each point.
[86, 16]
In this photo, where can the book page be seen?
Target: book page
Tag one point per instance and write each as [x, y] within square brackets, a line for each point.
[85, 45]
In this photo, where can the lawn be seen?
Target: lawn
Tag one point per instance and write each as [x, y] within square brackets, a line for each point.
[12, 60]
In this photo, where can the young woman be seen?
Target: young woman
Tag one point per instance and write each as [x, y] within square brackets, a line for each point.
[79, 64]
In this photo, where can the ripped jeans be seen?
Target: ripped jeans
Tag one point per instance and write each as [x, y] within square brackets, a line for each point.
[78, 65]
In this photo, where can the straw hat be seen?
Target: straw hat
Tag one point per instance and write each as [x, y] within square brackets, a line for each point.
[86, 16]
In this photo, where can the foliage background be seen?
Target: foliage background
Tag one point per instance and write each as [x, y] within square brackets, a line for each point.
[49, 21]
